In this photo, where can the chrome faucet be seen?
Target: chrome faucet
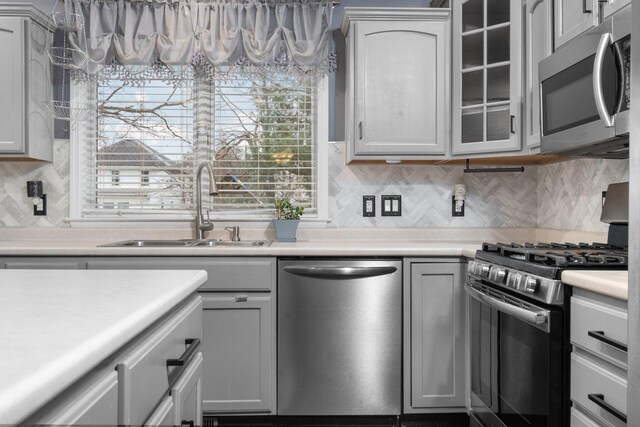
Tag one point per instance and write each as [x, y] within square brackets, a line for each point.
[201, 225]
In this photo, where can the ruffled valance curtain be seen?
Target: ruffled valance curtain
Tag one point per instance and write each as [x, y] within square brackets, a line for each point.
[294, 35]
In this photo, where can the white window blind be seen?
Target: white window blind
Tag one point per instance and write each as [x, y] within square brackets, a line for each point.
[257, 130]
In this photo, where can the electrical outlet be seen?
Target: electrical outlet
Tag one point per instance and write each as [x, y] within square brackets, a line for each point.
[454, 211]
[41, 208]
[368, 205]
[391, 205]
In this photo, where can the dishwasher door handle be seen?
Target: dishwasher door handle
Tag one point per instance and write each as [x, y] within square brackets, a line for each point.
[340, 272]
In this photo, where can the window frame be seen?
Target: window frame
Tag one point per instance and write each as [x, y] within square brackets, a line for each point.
[80, 91]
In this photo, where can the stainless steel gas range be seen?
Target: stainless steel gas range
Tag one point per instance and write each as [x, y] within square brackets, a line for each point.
[519, 329]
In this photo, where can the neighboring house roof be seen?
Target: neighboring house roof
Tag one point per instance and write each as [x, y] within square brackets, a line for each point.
[132, 152]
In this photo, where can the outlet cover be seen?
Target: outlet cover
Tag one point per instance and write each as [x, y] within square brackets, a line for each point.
[368, 206]
[391, 205]
[454, 212]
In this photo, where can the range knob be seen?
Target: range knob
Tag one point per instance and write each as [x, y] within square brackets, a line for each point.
[484, 270]
[530, 285]
[500, 274]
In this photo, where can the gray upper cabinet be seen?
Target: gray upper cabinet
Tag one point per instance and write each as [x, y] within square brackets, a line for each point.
[434, 335]
[573, 17]
[26, 128]
[486, 79]
[397, 95]
[538, 41]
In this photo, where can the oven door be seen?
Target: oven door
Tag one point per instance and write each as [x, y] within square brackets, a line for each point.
[516, 360]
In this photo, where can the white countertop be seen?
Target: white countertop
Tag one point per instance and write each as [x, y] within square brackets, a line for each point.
[56, 326]
[300, 248]
[612, 283]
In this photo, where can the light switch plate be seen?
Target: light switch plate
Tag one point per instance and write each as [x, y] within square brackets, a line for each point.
[391, 205]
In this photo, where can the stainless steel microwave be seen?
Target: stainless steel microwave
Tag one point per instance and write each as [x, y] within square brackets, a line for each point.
[585, 92]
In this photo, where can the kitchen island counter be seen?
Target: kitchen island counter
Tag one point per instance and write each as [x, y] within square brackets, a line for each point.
[611, 283]
[56, 326]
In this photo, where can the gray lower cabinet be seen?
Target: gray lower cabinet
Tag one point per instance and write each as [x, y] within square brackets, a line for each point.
[239, 337]
[240, 350]
[133, 386]
[434, 335]
[598, 360]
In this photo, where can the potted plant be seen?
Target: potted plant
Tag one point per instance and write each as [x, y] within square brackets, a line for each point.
[288, 217]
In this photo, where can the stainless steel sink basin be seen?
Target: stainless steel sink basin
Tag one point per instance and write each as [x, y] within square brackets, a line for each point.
[187, 243]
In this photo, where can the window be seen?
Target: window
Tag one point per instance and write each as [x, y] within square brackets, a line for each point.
[261, 132]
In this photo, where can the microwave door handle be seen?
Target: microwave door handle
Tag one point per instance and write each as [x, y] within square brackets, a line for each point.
[538, 319]
[601, 105]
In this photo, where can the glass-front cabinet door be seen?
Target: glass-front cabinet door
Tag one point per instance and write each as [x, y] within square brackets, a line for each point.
[486, 76]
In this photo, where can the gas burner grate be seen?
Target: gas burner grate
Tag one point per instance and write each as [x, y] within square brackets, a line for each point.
[562, 255]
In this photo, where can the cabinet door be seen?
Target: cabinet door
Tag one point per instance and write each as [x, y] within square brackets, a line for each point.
[538, 45]
[187, 395]
[12, 75]
[401, 87]
[43, 263]
[434, 336]
[573, 17]
[486, 76]
[239, 353]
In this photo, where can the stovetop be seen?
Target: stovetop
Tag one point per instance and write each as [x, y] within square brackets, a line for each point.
[550, 259]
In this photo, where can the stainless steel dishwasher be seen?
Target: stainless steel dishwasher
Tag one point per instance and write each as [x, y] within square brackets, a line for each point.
[339, 337]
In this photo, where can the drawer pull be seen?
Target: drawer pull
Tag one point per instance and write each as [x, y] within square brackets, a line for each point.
[598, 399]
[242, 298]
[600, 336]
[187, 423]
[192, 346]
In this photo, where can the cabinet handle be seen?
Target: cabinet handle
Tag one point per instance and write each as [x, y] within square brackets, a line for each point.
[360, 129]
[187, 423]
[512, 126]
[600, 336]
[598, 399]
[584, 6]
[241, 298]
[192, 346]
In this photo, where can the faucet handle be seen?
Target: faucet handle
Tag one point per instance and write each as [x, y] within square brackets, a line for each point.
[236, 233]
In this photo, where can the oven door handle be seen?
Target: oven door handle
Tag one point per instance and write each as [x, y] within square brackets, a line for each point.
[538, 318]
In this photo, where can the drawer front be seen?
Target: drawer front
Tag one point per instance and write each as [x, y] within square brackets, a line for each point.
[187, 395]
[578, 419]
[225, 273]
[591, 377]
[603, 322]
[93, 403]
[163, 415]
[143, 374]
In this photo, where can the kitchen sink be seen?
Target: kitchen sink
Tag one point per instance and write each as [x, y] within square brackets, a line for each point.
[186, 243]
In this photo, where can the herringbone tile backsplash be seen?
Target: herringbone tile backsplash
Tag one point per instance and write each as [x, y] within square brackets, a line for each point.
[562, 195]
